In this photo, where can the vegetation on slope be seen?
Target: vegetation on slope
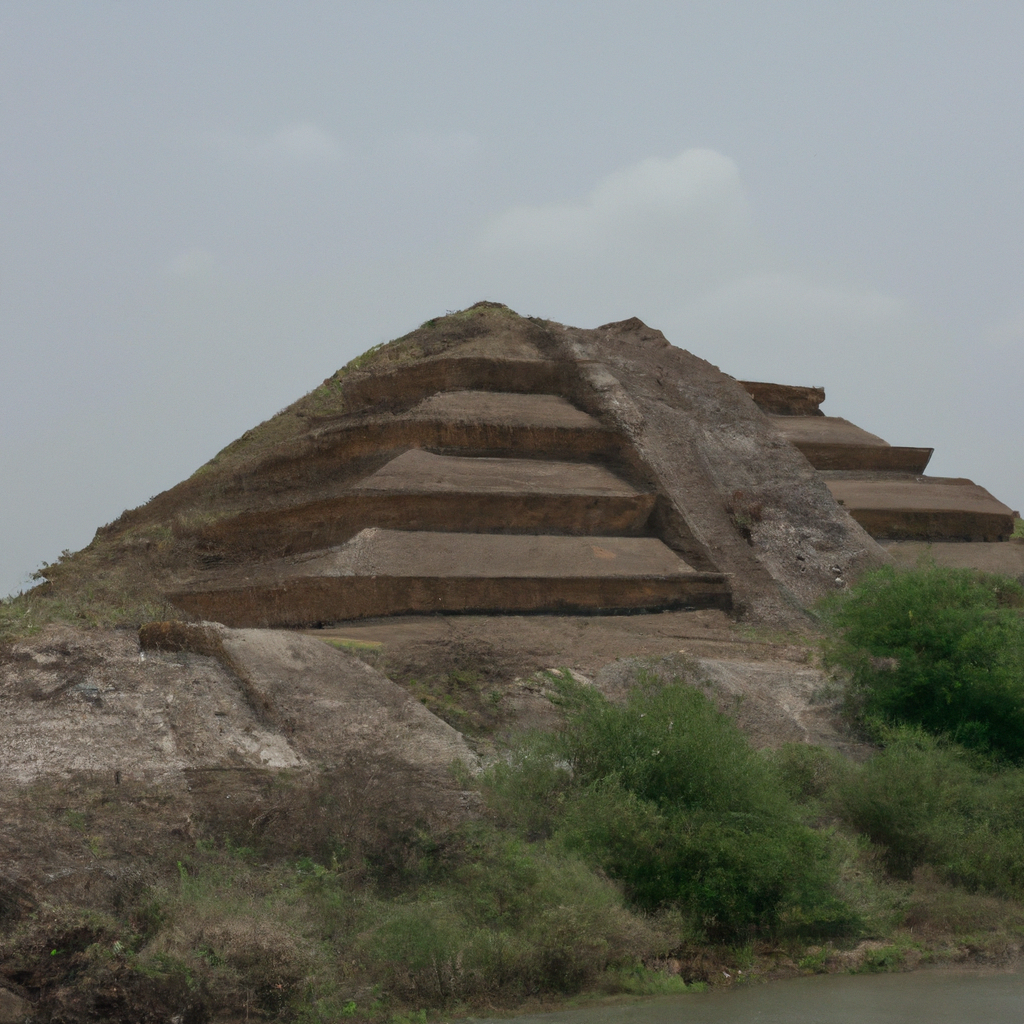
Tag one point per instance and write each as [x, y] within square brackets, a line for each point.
[665, 795]
[643, 847]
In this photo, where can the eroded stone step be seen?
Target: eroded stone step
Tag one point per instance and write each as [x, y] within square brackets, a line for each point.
[505, 409]
[833, 443]
[457, 423]
[923, 508]
[422, 491]
[405, 386]
[391, 572]
[424, 472]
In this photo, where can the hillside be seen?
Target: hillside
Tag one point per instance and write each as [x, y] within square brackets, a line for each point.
[491, 671]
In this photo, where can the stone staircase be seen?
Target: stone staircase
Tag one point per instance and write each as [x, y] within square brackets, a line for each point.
[882, 486]
[452, 485]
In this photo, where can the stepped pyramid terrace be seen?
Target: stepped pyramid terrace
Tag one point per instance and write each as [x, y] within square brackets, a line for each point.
[493, 463]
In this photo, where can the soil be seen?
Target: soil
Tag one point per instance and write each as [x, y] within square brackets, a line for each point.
[495, 666]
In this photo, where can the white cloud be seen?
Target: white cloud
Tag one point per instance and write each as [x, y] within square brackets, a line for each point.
[684, 201]
[300, 143]
[643, 238]
[193, 263]
[789, 321]
[674, 242]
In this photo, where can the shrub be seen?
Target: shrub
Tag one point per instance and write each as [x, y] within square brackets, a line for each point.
[512, 919]
[927, 801]
[668, 745]
[665, 795]
[936, 647]
[808, 772]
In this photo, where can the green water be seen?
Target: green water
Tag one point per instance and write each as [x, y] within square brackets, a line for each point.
[921, 998]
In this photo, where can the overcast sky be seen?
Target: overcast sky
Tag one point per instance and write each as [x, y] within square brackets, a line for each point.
[206, 208]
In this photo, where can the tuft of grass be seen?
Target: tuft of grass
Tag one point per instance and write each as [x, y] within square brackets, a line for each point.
[353, 645]
[90, 608]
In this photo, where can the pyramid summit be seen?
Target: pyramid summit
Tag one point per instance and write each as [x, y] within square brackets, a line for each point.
[493, 463]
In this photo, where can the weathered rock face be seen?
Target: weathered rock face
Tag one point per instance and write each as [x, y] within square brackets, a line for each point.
[491, 463]
[746, 495]
[214, 724]
[329, 707]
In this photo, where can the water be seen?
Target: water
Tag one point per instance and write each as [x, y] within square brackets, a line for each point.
[922, 998]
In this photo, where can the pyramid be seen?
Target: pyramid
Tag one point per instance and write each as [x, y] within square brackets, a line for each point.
[494, 463]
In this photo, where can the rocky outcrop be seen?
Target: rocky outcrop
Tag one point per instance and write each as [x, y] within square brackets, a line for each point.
[247, 730]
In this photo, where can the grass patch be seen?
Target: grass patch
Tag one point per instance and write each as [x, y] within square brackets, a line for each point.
[97, 607]
[343, 644]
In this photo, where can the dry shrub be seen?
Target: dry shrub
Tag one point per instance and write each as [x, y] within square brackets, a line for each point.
[936, 911]
[76, 967]
[247, 958]
[231, 927]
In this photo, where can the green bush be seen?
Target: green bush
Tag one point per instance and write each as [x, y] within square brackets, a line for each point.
[936, 647]
[927, 801]
[666, 795]
[670, 746]
[807, 772]
[512, 918]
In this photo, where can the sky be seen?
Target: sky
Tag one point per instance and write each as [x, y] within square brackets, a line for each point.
[207, 208]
